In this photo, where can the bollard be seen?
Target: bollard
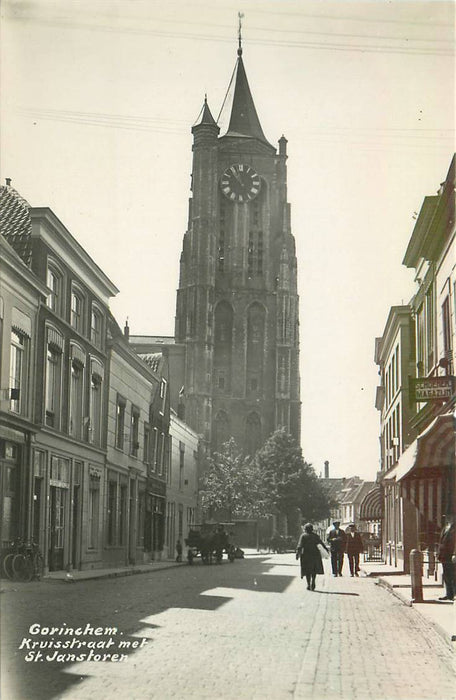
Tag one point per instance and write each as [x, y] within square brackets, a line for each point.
[416, 572]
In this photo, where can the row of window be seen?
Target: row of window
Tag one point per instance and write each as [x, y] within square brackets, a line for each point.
[392, 378]
[84, 390]
[90, 325]
[155, 443]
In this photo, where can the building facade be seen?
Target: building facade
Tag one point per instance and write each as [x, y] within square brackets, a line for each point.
[21, 294]
[67, 388]
[395, 357]
[421, 473]
[237, 301]
[137, 453]
[182, 484]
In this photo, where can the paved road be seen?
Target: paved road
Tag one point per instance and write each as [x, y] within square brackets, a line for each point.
[245, 630]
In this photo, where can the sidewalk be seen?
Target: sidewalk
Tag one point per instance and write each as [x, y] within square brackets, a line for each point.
[86, 575]
[441, 614]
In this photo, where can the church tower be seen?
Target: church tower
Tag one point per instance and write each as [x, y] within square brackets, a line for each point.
[237, 302]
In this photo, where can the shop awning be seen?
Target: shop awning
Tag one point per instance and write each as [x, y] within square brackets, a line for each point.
[437, 445]
[371, 507]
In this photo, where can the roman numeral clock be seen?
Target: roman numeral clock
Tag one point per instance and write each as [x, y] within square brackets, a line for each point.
[240, 183]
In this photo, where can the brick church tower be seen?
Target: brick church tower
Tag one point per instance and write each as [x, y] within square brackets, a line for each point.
[237, 302]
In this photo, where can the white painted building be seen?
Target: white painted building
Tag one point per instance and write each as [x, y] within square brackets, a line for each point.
[182, 486]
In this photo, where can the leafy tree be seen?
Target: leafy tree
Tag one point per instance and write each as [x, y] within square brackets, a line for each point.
[290, 483]
[232, 483]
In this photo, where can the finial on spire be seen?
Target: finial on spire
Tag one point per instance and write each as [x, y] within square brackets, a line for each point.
[240, 16]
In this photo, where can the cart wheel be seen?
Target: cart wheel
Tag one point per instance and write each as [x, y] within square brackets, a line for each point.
[8, 566]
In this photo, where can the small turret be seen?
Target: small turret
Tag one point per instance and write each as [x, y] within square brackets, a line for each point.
[205, 131]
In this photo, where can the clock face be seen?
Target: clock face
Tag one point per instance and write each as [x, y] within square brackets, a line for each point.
[240, 183]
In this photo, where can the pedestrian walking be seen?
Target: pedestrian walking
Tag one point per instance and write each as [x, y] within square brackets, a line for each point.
[336, 541]
[307, 551]
[447, 557]
[179, 550]
[353, 546]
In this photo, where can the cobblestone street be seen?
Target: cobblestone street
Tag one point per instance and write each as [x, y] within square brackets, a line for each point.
[247, 630]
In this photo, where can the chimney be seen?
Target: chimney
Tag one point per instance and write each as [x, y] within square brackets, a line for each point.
[8, 181]
[126, 330]
[326, 469]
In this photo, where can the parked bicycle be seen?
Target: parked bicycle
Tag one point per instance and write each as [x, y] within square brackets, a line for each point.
[25, 562]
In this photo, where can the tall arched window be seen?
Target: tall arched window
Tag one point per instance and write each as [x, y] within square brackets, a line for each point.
[256, 317]
[252, 433]
[221, 430]
[223, 344]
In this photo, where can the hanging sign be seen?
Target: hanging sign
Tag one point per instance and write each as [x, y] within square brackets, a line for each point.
[431, 388]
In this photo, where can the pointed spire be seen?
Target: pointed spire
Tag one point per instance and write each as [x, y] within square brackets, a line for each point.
[205, 130]
[205, 116]
[244, 120]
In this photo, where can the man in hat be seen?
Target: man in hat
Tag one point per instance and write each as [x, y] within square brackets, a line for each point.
[353, 546]
[447, 551]
[336, 541]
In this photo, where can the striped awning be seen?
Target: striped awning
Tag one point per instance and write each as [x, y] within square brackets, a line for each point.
[437, 444]
[371, 507]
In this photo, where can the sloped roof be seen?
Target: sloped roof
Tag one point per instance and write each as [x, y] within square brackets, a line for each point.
[16, 223]
[153, 359]
[244, 121]
[205, 116]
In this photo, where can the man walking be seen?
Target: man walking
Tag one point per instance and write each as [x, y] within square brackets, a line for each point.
[354, 546]
[336, 541]
[447, 557]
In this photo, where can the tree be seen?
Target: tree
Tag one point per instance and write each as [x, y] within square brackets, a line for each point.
[291, 484]
[232, 483]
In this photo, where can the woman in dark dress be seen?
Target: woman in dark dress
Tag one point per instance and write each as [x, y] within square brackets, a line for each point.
[307, 550]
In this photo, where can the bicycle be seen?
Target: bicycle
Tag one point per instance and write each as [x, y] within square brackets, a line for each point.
[24, 563]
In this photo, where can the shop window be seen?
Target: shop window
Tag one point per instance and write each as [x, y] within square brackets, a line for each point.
[60, 471]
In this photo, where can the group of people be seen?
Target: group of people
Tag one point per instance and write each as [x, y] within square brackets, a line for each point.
[310, 547]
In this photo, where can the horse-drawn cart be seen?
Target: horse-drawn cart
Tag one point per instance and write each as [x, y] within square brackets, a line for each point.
[210, 540]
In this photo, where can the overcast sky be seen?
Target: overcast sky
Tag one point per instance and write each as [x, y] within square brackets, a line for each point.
[98, 101]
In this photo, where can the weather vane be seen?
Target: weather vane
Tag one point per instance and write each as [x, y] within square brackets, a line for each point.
[240, 16]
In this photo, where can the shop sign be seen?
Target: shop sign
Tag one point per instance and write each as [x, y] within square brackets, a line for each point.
[431, 388]
[157, 487]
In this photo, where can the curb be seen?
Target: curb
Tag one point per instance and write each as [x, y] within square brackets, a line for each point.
[117, 573]
[447, 636]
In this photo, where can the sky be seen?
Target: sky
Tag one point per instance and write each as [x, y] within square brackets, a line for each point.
[98, 100]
